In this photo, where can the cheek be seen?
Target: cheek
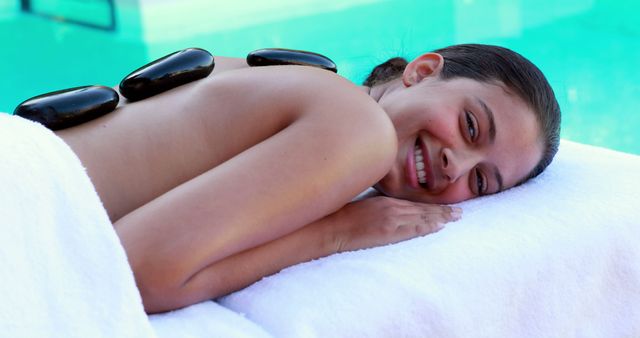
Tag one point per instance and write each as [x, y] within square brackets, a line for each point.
[410, 122]
[444, 128]
[454, 193]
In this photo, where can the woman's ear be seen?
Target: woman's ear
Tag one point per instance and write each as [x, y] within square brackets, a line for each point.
[425, 65]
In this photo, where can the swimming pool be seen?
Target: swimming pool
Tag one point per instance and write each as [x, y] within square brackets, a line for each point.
[587, 48]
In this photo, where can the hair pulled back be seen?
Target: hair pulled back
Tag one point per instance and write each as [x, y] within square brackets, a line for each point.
[487, 63]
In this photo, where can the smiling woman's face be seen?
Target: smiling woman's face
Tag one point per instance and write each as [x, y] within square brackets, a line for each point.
[457, 138]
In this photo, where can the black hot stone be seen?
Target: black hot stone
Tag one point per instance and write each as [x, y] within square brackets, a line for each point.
[279, 56]
[69, 107]
[166, 73]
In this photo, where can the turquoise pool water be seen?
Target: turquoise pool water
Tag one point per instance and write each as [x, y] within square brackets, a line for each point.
[589, 49]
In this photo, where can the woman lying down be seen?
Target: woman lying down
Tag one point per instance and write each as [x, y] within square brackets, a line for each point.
[216, 183]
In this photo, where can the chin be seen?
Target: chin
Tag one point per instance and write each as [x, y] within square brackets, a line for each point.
[380, 189]
[386, 189]
[389, 191]
[421, 198]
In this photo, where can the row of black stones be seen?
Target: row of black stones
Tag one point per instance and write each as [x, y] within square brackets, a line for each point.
[70, 107]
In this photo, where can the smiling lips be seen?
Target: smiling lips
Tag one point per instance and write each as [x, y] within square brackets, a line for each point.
[417, 169]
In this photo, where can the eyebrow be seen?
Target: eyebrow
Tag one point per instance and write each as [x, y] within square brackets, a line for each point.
[492, 123]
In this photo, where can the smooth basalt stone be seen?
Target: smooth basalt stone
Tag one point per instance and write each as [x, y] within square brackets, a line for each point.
[69, 107]
[166, 73]
[280, 56]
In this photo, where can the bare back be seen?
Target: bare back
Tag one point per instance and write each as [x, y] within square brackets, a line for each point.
[144, 149]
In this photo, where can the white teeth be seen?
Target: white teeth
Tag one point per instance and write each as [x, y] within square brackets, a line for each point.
[422, 180]
[422, 175]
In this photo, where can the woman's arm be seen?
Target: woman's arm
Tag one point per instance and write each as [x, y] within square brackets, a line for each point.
[362, 224]
[333, 142]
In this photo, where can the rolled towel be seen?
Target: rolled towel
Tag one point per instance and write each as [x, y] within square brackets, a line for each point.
[65, 273]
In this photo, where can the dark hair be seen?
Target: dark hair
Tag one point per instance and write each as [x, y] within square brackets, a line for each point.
[488, 63]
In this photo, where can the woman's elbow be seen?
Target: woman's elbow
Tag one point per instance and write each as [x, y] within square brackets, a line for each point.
[163, 292]
[158, 294]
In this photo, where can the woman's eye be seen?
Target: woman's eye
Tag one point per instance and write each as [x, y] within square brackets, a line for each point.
[480, 183]
[471, 126]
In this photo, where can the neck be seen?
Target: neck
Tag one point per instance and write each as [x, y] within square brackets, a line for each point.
[378, 91]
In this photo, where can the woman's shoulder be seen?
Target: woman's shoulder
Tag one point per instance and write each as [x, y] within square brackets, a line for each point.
[325, 91]
[297, 91]
[299, 88]
[298, 80]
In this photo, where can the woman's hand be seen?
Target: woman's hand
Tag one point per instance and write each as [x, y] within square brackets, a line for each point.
[383, 220]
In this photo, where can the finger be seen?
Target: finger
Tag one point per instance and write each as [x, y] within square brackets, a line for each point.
[443, 208]
[444, 217]
[452, 216]
[421, 204]
[424, 223]
[409, 231]
[428, 219]
[450, 213]
[428, 208]
[419, 218]
[455, 213]
[429, 223]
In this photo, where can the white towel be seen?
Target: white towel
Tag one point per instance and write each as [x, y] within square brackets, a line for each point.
[556, 257]
[205, 320]
[64, 272]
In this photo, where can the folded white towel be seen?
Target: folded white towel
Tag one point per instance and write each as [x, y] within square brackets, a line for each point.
[556, 257]
[64, 272]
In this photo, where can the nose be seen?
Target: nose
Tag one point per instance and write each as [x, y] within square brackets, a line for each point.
[455, 164]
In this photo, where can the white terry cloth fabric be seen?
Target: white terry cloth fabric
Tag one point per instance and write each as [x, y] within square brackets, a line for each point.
[206, 319]
[556, 257]
[64, 272]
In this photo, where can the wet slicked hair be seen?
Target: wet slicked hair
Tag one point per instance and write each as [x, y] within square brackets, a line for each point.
[486, 63]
